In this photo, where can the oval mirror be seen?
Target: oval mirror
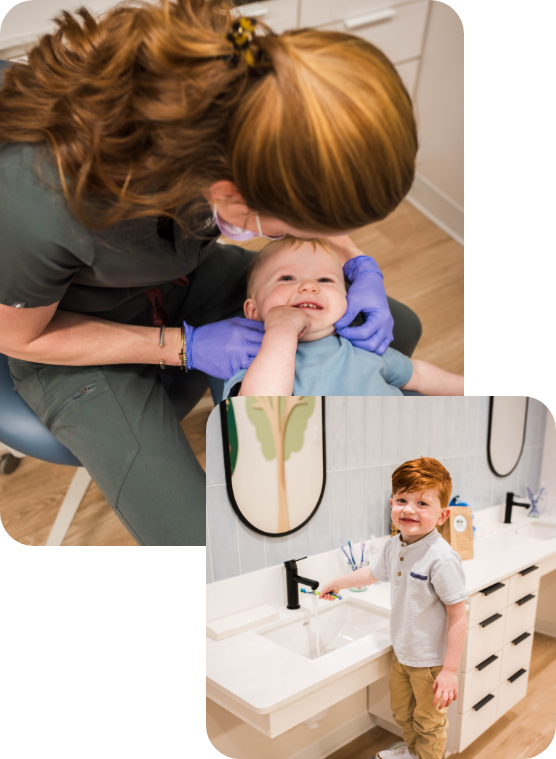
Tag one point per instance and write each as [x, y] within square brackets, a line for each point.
[506, 433]
[274, 458]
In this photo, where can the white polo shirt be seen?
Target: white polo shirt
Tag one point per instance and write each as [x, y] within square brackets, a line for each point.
[425, 577]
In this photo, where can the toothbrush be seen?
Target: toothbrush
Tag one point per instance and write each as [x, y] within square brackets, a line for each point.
[362, 554]
[317, 593]
[345, 554]
[351, 552]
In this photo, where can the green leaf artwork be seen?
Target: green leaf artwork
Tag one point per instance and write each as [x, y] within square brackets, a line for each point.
[280, 424]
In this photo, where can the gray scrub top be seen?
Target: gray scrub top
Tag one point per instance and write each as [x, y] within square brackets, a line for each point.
[47, 256]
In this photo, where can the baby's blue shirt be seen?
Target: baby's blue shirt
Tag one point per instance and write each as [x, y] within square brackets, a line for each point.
[333, 366]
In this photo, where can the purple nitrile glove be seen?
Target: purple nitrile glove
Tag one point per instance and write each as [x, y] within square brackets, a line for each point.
[366, 295]
[223, 348]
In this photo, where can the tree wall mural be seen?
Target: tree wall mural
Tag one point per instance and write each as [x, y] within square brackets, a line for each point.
[280, 423]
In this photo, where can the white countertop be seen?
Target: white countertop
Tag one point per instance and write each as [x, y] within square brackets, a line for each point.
[263, 675]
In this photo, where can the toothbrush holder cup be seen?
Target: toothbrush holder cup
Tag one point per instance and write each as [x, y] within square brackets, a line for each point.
[361, 588]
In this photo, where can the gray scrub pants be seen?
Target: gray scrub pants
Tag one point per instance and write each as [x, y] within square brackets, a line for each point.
[124, 429]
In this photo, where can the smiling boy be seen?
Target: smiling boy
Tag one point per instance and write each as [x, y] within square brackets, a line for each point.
[427, 595]
[297, 288]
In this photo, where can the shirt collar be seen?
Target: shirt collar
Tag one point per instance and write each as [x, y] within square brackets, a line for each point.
[426, 539]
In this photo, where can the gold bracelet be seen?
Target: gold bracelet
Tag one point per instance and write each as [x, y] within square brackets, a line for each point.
[161, 363]
[183, 352]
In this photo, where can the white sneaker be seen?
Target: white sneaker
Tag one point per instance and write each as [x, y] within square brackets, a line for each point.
[397, 751]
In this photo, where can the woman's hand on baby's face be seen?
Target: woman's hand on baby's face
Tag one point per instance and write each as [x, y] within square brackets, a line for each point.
[287, 317]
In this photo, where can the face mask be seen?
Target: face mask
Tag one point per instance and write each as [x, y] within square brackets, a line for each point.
[238, 234]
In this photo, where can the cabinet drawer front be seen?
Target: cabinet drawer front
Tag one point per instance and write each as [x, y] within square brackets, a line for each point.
[318, 12]
[478, 683]
[515, 657]
[400, 37]
[278, 14]
[510, 693]
[474, 723]
[490, 600]
[521, 585]
[482, 642]
[520, 618]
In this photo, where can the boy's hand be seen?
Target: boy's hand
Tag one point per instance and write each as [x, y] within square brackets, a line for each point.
[327, 589]
[446, 688]
[288, 317]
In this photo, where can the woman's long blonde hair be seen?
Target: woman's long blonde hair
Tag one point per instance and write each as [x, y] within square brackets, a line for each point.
[143, 113]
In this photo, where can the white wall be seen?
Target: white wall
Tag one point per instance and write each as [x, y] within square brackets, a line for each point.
[548, 468]
[438, 189]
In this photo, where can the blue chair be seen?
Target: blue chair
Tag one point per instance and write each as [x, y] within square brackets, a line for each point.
[23, 434]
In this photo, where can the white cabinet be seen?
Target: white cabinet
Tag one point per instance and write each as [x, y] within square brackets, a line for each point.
[496, 657]
[278, 14]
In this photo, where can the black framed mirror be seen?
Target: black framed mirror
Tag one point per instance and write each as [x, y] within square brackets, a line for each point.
[507, 423]
[274, 460]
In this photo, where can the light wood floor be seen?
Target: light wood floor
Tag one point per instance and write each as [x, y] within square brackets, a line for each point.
[31, 496]
[423, 268]
[522, 733]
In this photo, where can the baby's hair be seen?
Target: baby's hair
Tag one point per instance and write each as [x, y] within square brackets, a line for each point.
[423, 474]
[289, 241]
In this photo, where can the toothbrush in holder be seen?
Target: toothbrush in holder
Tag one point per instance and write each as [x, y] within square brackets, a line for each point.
[317, 593]
[534, 501]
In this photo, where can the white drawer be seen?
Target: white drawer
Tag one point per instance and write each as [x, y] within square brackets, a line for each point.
[487, 602]
[522, 584]
[516, 655]
[483, 640]
[520, 617]
[400, 37]
[408, 72]
[478, 683]
[278, 14]
[477, 720]
[512, 692]
[316, 12]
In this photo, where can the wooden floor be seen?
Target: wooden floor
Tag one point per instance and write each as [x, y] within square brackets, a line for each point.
[31, 496]
[522, 733]
[423, 268]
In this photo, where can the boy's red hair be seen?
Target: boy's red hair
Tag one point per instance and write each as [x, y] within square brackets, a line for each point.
[423, 474]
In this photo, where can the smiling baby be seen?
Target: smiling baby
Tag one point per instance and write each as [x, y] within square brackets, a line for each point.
[296, 287]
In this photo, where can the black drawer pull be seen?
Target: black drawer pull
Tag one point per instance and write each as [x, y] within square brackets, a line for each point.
[490, 620]
[521, 638]
[484, 702]
[526, 571]
[486, 662]
[492, 589]
[525, 599]
[517, 674]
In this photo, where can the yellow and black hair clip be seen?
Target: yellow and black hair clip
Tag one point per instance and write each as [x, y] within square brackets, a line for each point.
[242, 37]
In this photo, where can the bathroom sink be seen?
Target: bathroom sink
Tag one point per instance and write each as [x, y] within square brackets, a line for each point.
[333, 628]
[537, 530]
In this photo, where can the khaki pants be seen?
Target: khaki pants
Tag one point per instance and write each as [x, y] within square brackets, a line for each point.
[411, 695]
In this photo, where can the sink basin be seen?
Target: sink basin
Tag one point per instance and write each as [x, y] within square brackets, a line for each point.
[537, 530]
[333, 628]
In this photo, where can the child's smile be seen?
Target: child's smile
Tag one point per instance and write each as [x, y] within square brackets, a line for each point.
[304, 278]
[417, 514]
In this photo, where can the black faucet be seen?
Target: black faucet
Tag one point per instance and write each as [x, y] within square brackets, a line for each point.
[509, 503]
[293, 580]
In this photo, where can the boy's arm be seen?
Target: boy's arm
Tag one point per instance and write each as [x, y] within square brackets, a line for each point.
[272, 371]
[446, 684]
[430, 380]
